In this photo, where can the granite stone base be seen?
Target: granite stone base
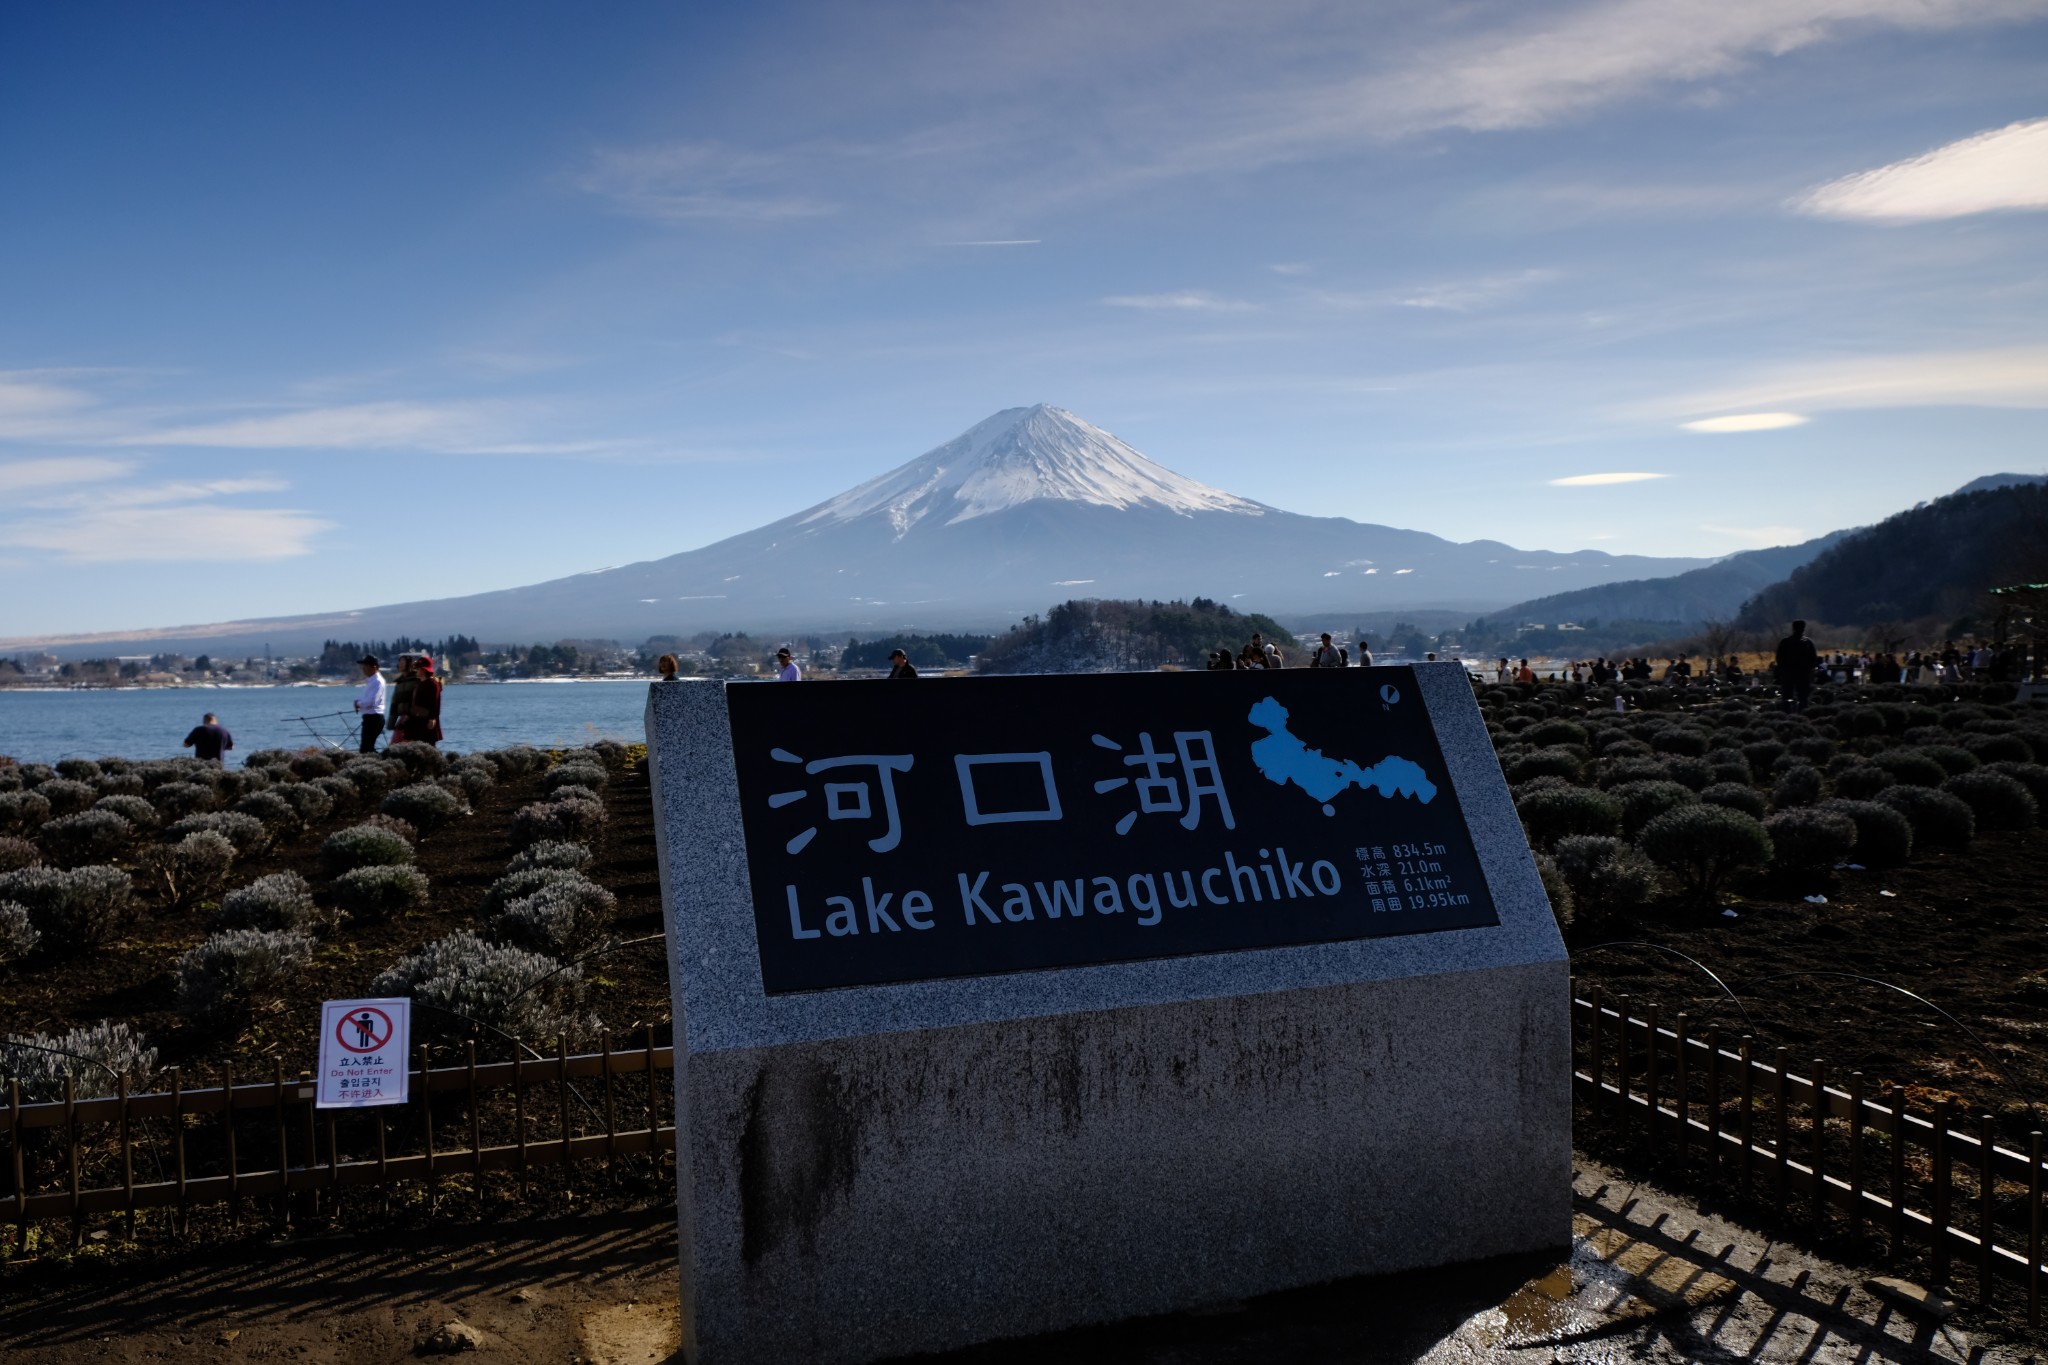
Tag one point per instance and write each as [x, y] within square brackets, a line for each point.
[871, 1171]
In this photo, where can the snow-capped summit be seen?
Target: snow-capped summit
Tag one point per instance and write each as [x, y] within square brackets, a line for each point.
[1021, 455]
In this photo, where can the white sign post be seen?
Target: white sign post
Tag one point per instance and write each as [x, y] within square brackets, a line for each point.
[363, 1048]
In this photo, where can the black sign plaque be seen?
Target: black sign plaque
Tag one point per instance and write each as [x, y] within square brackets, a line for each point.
[961, 827]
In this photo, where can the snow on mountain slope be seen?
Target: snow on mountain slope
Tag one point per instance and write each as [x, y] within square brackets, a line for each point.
[1023, 455]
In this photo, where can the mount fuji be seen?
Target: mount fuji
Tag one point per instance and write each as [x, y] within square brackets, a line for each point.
[1027, 508]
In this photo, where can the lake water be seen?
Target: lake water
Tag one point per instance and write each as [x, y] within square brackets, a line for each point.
[42, 727]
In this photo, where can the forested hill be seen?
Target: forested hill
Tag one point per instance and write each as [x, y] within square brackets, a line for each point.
[1935, 561]
[1089, 637]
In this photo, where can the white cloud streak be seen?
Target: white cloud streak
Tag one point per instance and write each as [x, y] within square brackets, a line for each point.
[1185, 301]
[1603, 480]
[1747, 421]
[187, 533]
[18, 476]
[1997, 377]
[2005, 168]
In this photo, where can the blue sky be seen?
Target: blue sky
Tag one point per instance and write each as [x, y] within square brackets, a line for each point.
[314, 307]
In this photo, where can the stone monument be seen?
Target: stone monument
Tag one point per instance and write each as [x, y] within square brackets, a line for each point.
[1008, 1004]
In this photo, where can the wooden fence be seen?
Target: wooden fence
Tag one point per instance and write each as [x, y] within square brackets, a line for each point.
[181, 1147]
[1843, 1159]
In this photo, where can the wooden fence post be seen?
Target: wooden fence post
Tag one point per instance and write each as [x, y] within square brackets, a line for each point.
[1943, 1192]
[2034, 1266]
[1855, 1156]
[1987, 1182]
[1681, 1079]
[1819, 1135]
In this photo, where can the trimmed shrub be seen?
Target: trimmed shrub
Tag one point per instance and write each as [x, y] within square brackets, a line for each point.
[18, 853]
[372, 777]
[422, 805]
[363, 846]
[96, 1059]
[517, 761]
[310, 764]
[1556, 890]
[67, 797]
[517, 885]
[179, 799]
[1621, 772]
[474, 776]
[1884, 838]
[1544, 734]
[22, 812]
[1801, 786]
[341, 793]
[1762, 754]
[593, 775]
[1990, 749]
[1862, 782]
[560, 920]
[239, 973]
[2032, 776]
[121, 784]
[74, 908]
[131, 808]
[278, 815]
[248, 834]
[1642, 802]
[421, 760]
[493, 985]
[1681, 740]
[1809, 839]
[402, 828]
[282, 900]
[1693, 773]
[1737, 796]
[1939, 819]
[78, 769]
[1565, 764]
[91, 836]
[1912, 767]
[375, 893]
[18, 935]
[1704, 846]
[1953, 761]
[1607, 876]
[1726, 765]
[551, 853]
[1551, 815]
[190, 871]
[613, 754]
[577, 820]
[1997, 801]
[232, 784]
[312, 804]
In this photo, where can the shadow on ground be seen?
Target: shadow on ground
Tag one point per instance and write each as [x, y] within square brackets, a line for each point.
[1648, 1278]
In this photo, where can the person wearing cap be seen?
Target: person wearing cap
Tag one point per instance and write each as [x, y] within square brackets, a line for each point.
[370, 704]
[787, 670]
[422, 722]
[900, 665]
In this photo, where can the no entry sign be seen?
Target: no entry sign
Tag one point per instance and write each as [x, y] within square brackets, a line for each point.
[363, 1046]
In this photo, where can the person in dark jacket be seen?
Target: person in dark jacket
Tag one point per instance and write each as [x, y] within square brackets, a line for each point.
[398, 708]
[209, 739]
[423, 718]
[1797, 662]
[900, 665]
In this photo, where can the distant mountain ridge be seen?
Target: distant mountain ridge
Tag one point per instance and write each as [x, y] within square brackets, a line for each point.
[1028, 507]
[1713, 593]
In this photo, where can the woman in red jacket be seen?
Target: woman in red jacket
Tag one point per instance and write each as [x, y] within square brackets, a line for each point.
[424, 721]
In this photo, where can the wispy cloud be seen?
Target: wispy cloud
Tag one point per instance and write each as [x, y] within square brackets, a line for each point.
[81, 520]
[687, 180]
[1186, 301]
[18, 476]
[456, 429]
[2005, 168]
[1997, 377]
[1000, 241]
[1602, 480]
[1747, 421]
[1464, 296]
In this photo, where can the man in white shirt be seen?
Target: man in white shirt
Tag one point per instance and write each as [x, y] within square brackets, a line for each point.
[370, 703]
[787, 666]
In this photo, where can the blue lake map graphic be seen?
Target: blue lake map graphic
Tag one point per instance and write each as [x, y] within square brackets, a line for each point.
[1283, 759]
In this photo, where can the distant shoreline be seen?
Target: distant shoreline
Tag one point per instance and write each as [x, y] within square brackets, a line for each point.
[286, 686]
